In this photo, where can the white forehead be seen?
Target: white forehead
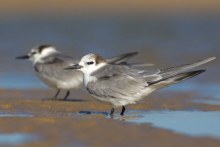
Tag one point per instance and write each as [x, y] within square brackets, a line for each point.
[89, 57]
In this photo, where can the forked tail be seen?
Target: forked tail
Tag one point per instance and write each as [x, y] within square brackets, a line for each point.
[174, 79]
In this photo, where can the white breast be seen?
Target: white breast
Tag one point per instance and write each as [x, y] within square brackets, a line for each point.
[88, 78]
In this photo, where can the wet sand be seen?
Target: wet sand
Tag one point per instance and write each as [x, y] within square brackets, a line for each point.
[58, 123]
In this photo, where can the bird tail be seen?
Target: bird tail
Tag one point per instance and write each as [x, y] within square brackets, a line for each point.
[168, 72]
[174, 79]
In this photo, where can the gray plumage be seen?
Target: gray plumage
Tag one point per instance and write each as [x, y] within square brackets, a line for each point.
[127, 84]
[49, 65]
[51, 72]
[121, 85]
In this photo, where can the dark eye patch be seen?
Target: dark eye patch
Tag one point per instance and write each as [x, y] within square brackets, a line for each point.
[90, 63]
[33, 53]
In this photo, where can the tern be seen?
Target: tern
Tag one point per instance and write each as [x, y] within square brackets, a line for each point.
[49, 63]
[122, 85]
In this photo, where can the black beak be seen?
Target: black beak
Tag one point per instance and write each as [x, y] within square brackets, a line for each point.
[75, 66]
[23, 57]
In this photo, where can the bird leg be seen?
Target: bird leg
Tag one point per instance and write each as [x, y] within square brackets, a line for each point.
[57, 93]
[122, 111]
[112, 112]
[53, 98]
[66, 96]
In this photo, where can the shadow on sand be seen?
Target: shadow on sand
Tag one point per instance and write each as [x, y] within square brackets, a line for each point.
[106, 114]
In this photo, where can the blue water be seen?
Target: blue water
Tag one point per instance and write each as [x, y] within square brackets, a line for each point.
[205, 92]
[193, 123]
[16, 138]
[20, 80]
[15, 114]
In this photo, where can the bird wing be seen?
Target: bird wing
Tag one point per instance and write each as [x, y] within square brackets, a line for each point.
[117, 81]
[121, 58]
[176, 74]
[54, 65]
[58, 58]
[167, 72]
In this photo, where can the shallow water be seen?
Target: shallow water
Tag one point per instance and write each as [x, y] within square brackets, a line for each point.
[16, 138]
[20, 80]
[205, 93]
[193, 123]
[16, 114]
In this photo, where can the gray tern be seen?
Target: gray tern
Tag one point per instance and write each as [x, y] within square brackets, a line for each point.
[49, 63]
[122, 85]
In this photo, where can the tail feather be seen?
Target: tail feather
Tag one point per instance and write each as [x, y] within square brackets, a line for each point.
[174, 79]
[183, 68]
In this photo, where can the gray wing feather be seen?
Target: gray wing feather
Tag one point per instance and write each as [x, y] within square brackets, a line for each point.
[183, 68]
[54, 67]
[117, 86]
[116, 81]
[58, 57]
[136, 65]
[120, 59]
[172, 73]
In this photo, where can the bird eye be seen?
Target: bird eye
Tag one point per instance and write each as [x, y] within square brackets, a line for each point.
[90, 63]
[33, 53]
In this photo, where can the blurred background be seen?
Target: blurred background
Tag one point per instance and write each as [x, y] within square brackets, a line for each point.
[166, 33]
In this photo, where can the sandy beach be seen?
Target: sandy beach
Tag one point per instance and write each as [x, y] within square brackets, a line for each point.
[59, 123]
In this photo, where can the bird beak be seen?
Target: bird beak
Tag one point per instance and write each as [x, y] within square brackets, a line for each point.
[23, 57]
[75, 66]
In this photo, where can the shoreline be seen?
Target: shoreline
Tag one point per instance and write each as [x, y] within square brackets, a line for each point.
[53, 120]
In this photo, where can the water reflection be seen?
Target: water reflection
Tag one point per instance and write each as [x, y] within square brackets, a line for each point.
[93, 113]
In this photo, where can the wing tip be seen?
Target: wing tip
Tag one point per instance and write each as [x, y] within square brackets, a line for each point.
[210, 59]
